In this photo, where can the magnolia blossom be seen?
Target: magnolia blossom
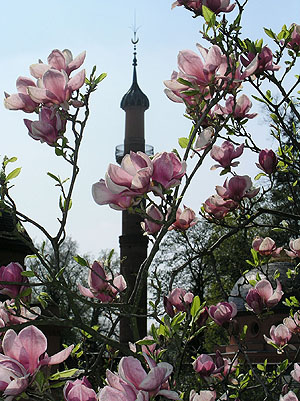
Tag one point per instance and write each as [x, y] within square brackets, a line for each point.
[294, 251]
[204, 365]
[293, 323]
[56, 88]
[12, 272]
[168, 169]
[177, 300]
[204, 395]
[21, 100]
[184, 219]
[204, 139]
[237, 188]
[237, 108]
[48, 128]
[11, 314]
[224, 366]
[267, 161]
[150, 226]
[223, 312]
[290, 396]
[266, 247]
[103, 196]
[100, 286]
[217, 6]
[262, 296]
[201, 75]
[225, 153]
[79, 390]
[294, 41]
[280, 335]
[57, 60]
[218, 207]
[23, 355]
[296, 372]
[134, 383]
[265, 61]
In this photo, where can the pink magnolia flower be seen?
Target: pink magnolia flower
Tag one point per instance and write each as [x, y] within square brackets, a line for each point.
[168, 169]
[237, 108]
[119, 389]
[263, 296]
[296, 372]
[204, 139]
[280, 335]
[237, 188]
[223, 312]
[204, 395]
[218, 207]
[103, 196]
[184, 219]
[150, 226]
[294, 251]
[56, 88]
[267, 161]
[49, 127]
[201, 75]
[265, 61]
[10, 314]
[293, 323]
[294, 42]
[14, 377]
[266, 247]
[131, 371]
[217, 6]
[224, 366]
[177, 300]
[27, 351]
[203, 316]
[100, 286]
[12, 272]
[290, 396]
[57, 60]
[21, 100]
[204, 365]
[225, 153]
[79, 390]
[132, 178]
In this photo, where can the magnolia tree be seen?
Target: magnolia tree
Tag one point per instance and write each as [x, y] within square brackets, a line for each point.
[167, 364]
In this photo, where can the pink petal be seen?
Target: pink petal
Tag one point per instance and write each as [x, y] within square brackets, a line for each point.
[57, 358]
[55, 81]
[57, 60]
[22, 83]
[35, 344]
[77, 81]
[76, 63]
[131, 370]
[85, 291]
[38, 70]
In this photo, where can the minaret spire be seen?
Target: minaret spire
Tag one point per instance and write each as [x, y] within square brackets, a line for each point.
[133, 244]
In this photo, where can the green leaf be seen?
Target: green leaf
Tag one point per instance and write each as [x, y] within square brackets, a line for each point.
[146, 342]
[28, 273]
[53, 176]
[58, 152]
[259, 99]
[270, 33]
[185, 82]
[195, 305]
[80, 260]
[100, 78]
[11, 160]
[183, 142]
[257, 177]
[178, 319]
[13, 174]
[64, 375]
[25, 293]
[209, 16]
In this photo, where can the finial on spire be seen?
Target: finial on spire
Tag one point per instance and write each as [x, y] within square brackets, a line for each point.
[135, 39]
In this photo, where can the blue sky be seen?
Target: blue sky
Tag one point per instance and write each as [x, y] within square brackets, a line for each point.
[30, 30]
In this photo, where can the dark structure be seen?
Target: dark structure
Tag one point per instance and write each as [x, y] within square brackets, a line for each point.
[133, 244]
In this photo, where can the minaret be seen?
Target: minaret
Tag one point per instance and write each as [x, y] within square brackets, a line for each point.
[133, 244]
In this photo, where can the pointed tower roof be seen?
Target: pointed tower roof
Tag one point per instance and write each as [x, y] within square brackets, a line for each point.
[135, 97]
